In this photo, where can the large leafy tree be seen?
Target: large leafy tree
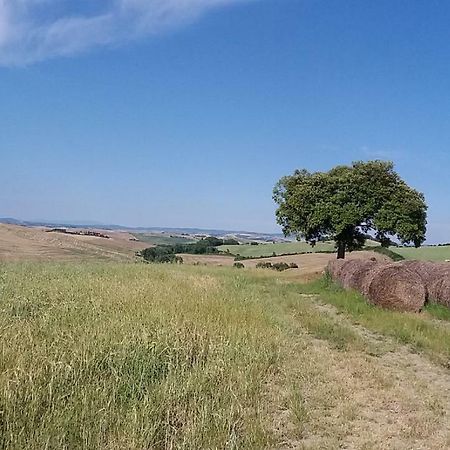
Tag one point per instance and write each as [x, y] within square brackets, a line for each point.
[347, 203]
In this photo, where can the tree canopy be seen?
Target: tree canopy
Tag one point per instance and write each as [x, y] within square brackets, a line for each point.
[347, 202]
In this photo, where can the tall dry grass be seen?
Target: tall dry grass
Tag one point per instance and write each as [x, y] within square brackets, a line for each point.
[123, 356]
[131, 356]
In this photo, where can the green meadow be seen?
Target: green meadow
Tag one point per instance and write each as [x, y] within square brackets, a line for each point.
[133, 356]
[279, 248]
[425, 253]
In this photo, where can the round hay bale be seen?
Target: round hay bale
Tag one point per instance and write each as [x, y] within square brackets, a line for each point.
[334, 268]
[347, 271]
[395, 287]
[424, 269]
[356, 280]
[437, 271]
[363, 277]
[439, 287]
[434, 275]
[439, 291]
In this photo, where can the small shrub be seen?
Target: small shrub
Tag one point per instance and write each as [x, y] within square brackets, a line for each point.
[238, 265]
[264, 265]
[293, 266]
[281, 266]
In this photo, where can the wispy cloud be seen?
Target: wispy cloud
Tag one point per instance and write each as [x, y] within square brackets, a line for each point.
[34, 30]
[378, 153]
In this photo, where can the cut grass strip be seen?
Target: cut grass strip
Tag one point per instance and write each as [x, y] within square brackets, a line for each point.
[416, 330]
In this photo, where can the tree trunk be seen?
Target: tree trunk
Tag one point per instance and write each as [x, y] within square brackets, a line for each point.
[341, 250]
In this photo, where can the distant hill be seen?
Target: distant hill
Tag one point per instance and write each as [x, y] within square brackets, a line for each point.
[10, 221]
[191, 231]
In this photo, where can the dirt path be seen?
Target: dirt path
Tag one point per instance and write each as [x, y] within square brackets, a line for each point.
[381, 396]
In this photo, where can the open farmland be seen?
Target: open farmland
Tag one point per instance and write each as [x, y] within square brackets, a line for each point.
[310, 265]
[162, 239]
[279, 248]
[425, 253]
[19, 243]
[156, 356]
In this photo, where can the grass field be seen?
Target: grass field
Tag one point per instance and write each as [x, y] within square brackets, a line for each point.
[114, 356]
[161, 239]
[425, 253]
[280, 248]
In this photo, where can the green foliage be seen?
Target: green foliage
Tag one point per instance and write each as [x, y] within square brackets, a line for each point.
[158, 254]
[264, 265]
[211, 241]
[441, 312]
[347, 202]
[230, 242]
[238, 265]
[389, 253]
[166, 253]
[279, 266]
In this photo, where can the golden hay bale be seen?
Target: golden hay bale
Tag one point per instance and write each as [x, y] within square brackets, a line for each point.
[439, 286]
[357, 278]
[440, 291]
[436, 277]
[395, 287]
[437, 271]
[334, 267]
[424, 269]
[348, 269]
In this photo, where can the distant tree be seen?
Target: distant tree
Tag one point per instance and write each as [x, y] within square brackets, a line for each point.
[230, 242]
[212, 241]
[238, 265]
[349, 201]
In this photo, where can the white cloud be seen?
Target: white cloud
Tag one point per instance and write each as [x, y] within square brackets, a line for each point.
[34, 30]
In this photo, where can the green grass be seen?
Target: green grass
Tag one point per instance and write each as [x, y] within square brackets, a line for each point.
[144, 356]
[415, 330]
[109, 356]
[438, 311]
[425, 253]
[130, 356]
[160, 239]
[280, 248]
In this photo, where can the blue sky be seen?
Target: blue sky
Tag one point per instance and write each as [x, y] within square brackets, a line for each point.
[187, 112]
